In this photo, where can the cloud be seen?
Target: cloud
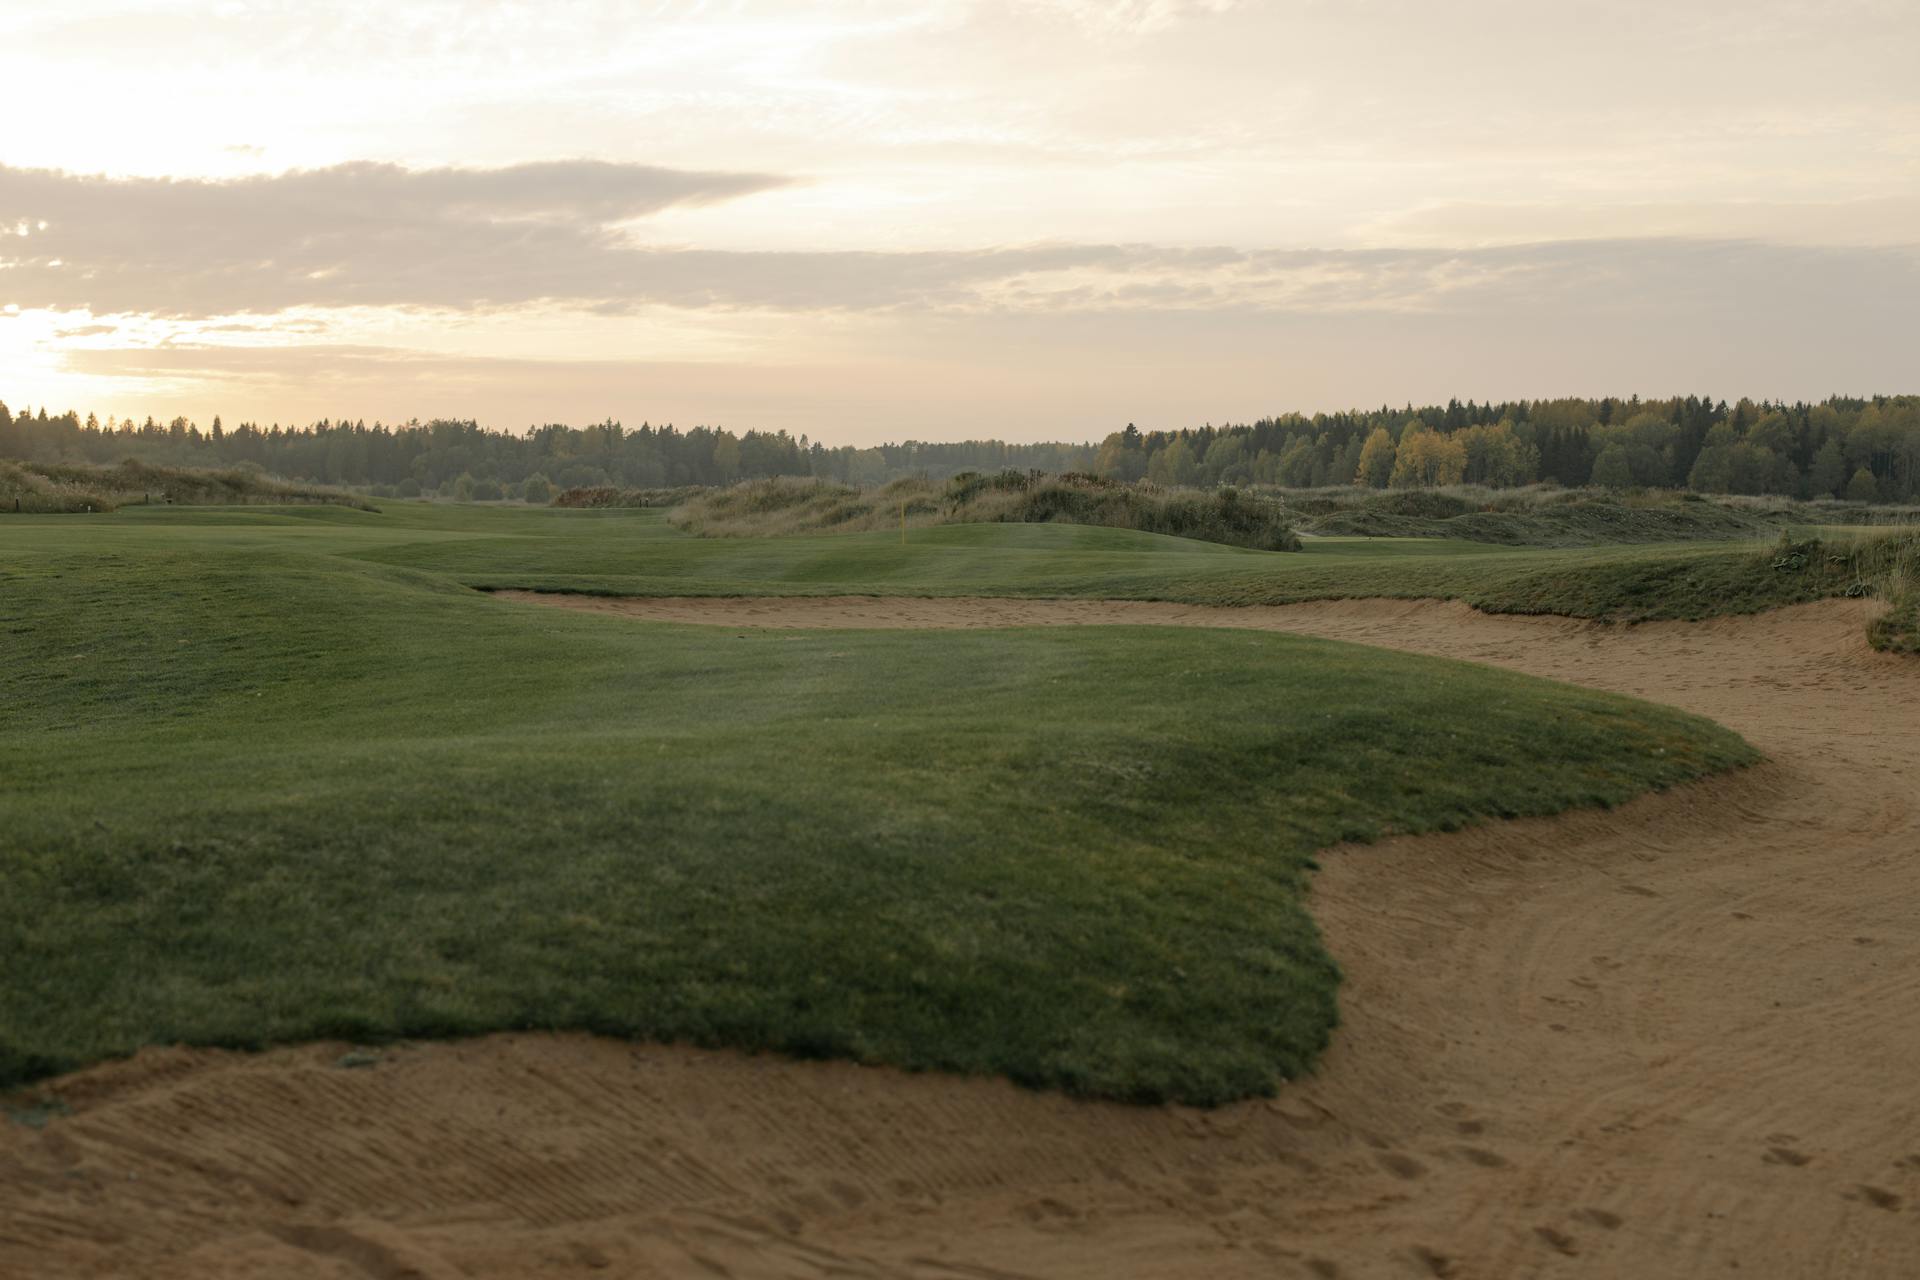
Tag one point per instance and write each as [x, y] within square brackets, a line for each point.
[1046, 376]
[559, 234]
[305, 382]
[1129, 17]
[360, 233]
[348, 361]
[1867, 221]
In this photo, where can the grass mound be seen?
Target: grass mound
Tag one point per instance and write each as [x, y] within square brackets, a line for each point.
[771, 508]
[1676, 585]
[79, 487]
[1887, 566]
[254, 794]
[1550, 516]
[608, 496]
[1537, 518]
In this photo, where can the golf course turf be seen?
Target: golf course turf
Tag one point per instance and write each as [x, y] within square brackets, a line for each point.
[272, 775]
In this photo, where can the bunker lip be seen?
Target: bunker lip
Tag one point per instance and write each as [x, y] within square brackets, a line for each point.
[1591, 1044]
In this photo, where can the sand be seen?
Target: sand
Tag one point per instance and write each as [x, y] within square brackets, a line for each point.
[1681, 1038]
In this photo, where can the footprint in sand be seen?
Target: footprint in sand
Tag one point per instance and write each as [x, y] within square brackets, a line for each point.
[1401, 1166]
[1558, 1241]
[1878, 1197]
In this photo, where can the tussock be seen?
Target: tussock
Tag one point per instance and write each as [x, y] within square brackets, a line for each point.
[773, 508]
[610, 496]
[1886, 566]
[81, 487]
[1549, 516]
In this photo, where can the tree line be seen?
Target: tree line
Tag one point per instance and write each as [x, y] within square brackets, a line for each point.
[1864, 449]
[463, 459]
[1859, 448]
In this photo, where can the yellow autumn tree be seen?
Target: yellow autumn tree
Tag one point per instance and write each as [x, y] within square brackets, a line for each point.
[1427, 458]
[1376, 460]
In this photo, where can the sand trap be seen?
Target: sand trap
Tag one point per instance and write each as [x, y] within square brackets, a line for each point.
[1670, 1040]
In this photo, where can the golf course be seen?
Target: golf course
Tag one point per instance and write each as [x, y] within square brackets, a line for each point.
[989, 640]
[325, 809]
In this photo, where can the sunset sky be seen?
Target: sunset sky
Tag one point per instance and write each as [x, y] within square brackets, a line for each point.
[1037, 219]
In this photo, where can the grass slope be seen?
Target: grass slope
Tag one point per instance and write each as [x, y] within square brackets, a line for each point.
[84, 488]
[268, 778]
[785, 507]
[1549, 516]
[638, 553]
[1588, 521]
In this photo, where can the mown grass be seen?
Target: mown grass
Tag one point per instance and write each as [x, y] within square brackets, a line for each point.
[638, 552]
[280, 775]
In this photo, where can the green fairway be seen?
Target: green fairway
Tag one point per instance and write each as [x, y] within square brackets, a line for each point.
[270, 775]
[635, 552]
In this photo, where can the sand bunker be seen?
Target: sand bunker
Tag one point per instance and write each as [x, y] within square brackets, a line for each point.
[1674, 1039]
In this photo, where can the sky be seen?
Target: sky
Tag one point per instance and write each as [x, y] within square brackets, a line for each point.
[1031, 219]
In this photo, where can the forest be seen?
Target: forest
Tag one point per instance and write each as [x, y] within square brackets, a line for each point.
[1863, 449]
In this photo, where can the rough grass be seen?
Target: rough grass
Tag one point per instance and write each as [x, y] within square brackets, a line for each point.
[41, 488]
[1887, 567]
[611, 496]
[264, 783]
[1548, 515]
[776, 508]
[1543, 516]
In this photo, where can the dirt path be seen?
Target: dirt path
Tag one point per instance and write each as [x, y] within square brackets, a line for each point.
[1679, 1039]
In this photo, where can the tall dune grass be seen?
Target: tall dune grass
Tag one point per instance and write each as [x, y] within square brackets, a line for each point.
[1882, 565]
[1445, 501]
[611, 496]
[1888, 568]
[82, 487]
[1537, 515]
[1548, 516]
[774, 508]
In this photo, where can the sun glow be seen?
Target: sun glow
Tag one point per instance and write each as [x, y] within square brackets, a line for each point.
[1092, 202]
